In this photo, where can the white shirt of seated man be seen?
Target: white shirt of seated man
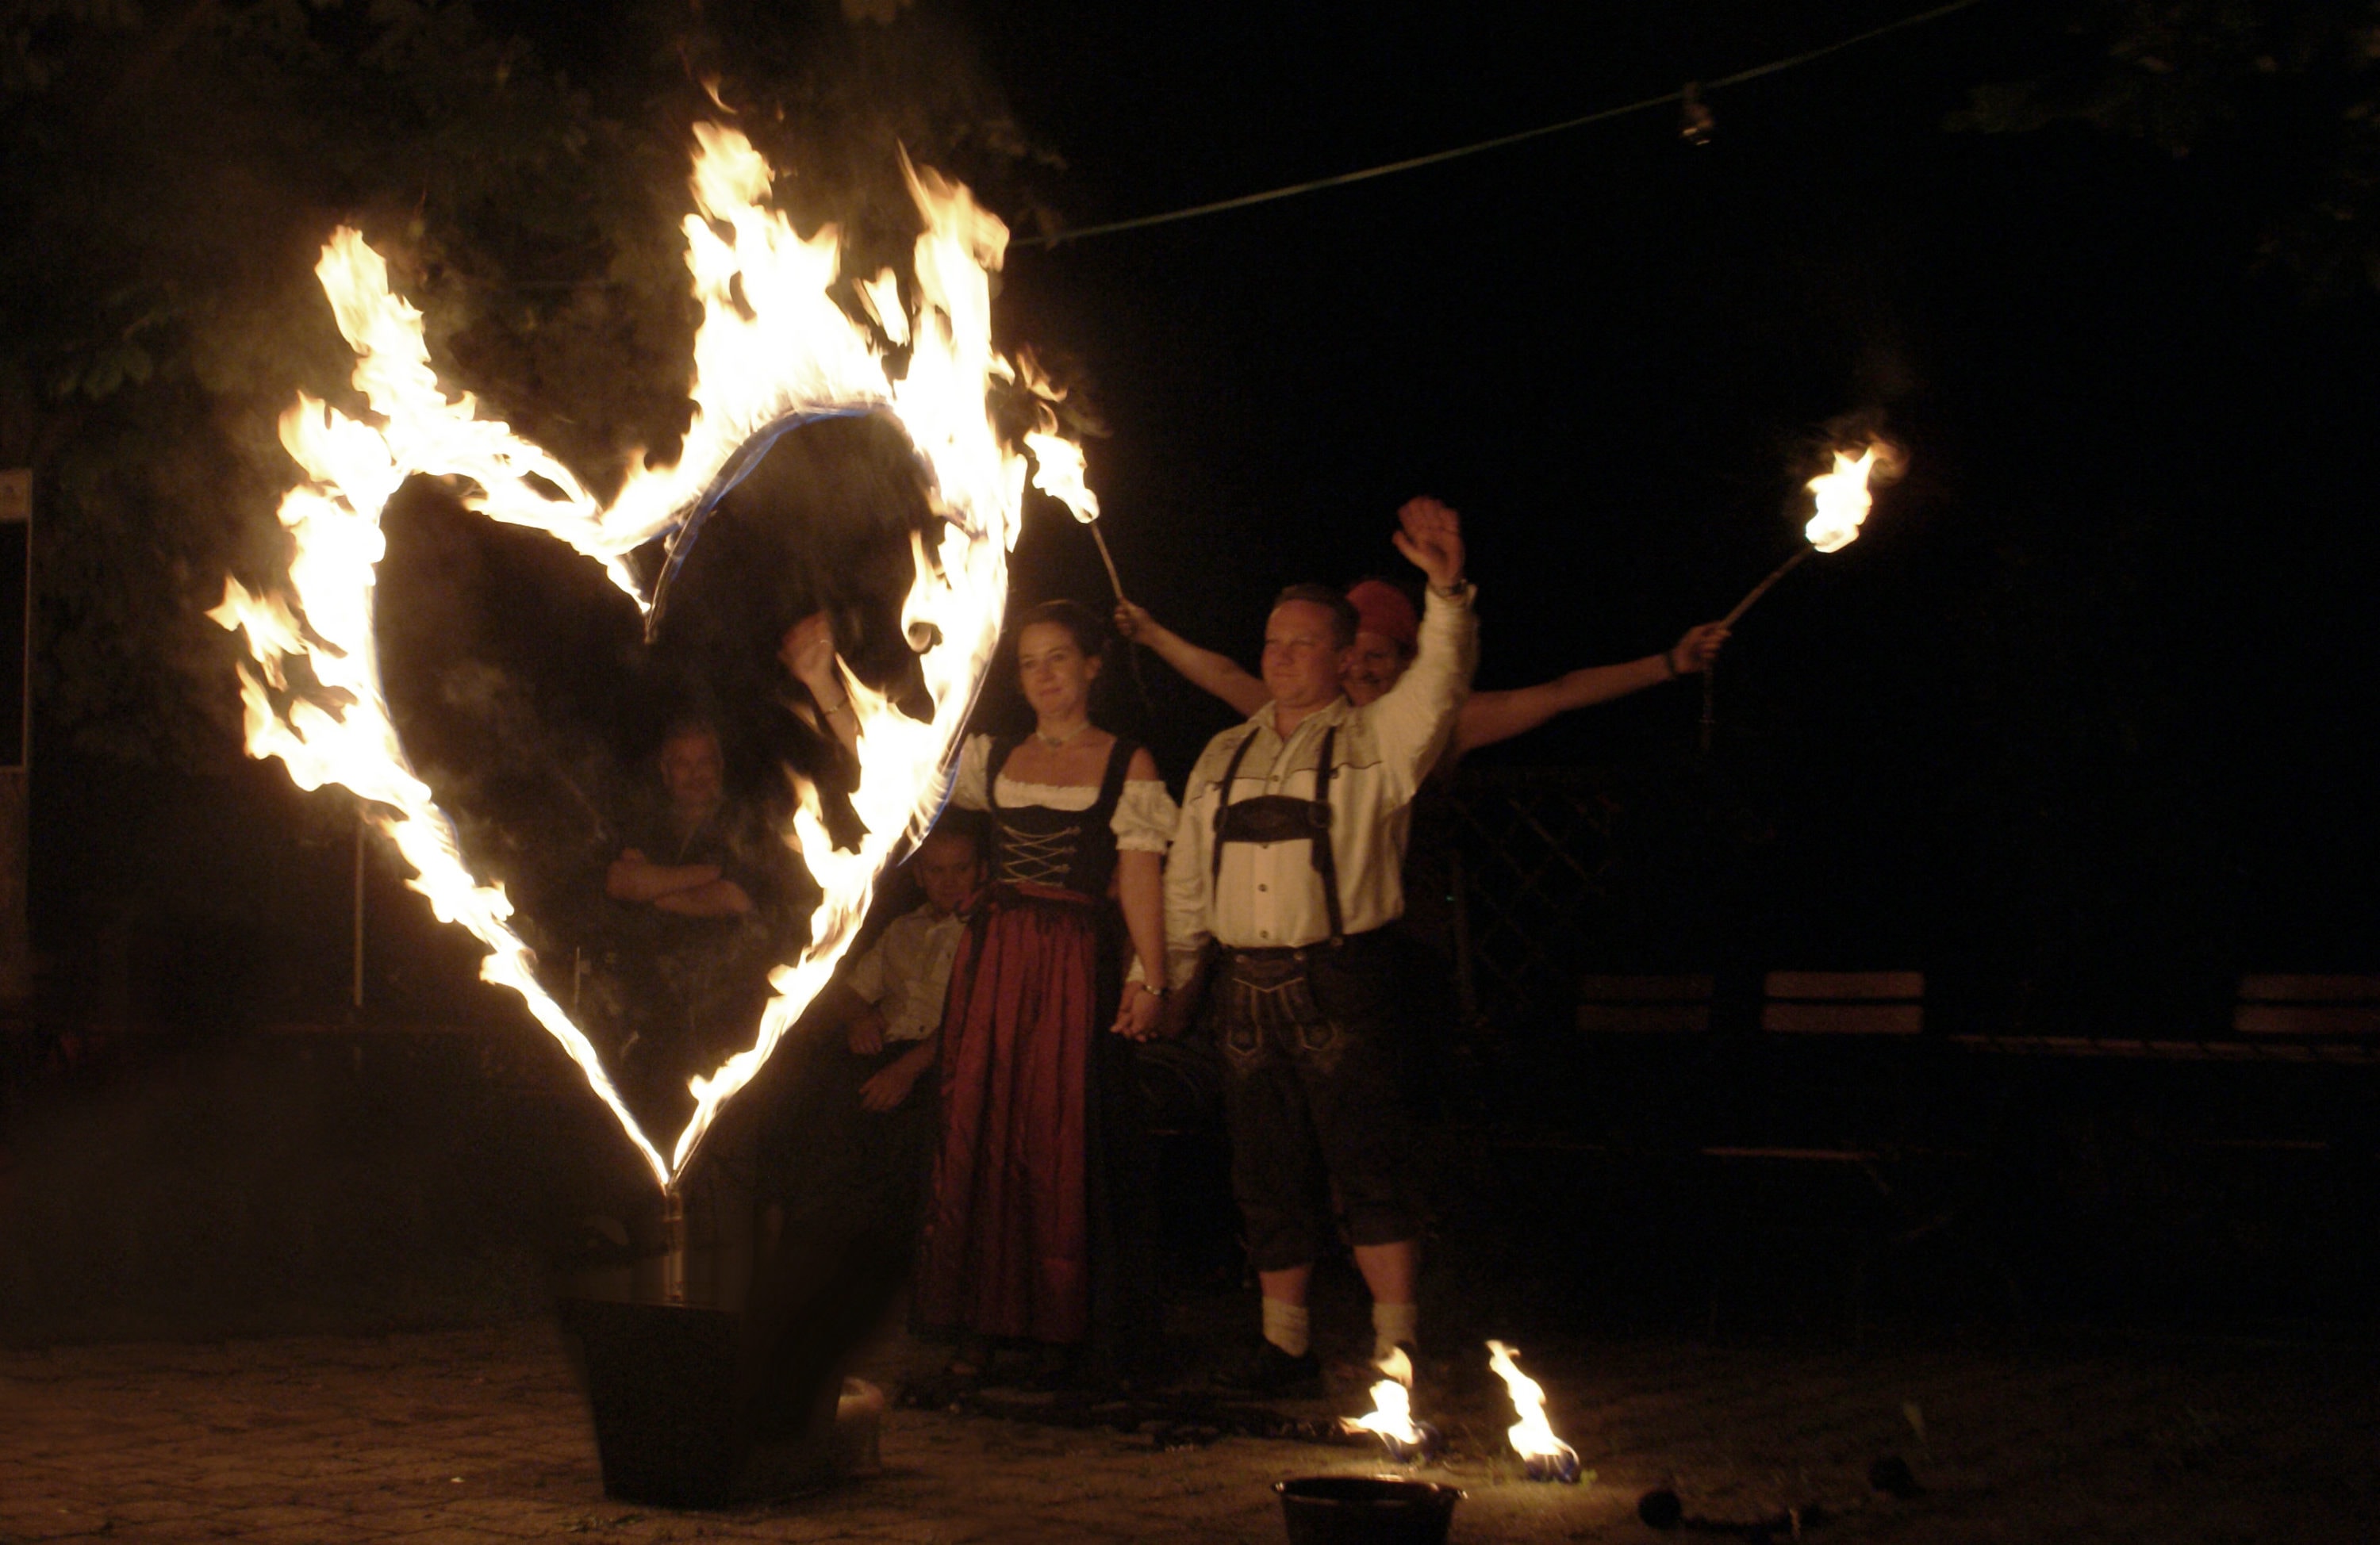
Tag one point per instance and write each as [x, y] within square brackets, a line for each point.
[906, 971]
[901, 981]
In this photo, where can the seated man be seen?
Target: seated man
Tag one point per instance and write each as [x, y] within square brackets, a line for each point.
[701, 898]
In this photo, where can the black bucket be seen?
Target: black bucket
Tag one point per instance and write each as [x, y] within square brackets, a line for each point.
[1366, 1510]
[726, 1392]
[674, 1400]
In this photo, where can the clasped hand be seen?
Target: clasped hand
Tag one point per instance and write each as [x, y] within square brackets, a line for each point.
[1139, 1015]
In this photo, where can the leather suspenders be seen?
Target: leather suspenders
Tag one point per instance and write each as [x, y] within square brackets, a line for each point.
[1278, 818]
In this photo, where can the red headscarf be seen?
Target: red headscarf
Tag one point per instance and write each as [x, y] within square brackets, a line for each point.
[1382, 608]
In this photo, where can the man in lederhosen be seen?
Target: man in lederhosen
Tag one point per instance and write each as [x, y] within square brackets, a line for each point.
[1287, 859]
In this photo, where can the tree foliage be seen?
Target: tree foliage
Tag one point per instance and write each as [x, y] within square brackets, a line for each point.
[2286, 93]
[173, 166]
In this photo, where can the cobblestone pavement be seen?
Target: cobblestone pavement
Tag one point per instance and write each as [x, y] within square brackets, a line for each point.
[482, 1436]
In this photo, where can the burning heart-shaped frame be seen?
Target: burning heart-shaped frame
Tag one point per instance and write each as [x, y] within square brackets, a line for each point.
[775, 350]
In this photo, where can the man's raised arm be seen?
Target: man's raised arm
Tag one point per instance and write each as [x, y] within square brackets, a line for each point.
[1412, 719]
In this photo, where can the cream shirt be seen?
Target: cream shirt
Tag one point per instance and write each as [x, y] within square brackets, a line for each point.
[1268, 895]
[908, 972]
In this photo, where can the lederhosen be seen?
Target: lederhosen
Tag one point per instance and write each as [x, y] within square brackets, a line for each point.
[1309, 1084]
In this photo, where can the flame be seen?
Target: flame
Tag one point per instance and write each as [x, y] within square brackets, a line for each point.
[1057, 461]
[1392, 1414]
[1844, 495]
[773, 345]
[1058, 472]
[1532, 1436]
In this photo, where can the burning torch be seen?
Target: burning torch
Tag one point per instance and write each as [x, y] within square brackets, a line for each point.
[1058, 472]
[1843, 498]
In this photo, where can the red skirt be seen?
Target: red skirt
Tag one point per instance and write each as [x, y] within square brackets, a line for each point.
[1007, 1245]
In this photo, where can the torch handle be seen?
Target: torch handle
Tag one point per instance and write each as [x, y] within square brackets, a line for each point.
[1762, 588]
[1131, 655]
[1108, 559]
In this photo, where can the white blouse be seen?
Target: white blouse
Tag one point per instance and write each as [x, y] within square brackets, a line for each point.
[1145, 814]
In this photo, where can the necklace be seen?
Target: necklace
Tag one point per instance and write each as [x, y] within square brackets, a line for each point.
[1068, 738]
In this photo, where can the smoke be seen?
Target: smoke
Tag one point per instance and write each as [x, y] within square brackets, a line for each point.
[507, 658]
[836, 97]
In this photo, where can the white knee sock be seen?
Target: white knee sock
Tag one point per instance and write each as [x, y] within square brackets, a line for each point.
[1392, 1323]
[1288, 1326]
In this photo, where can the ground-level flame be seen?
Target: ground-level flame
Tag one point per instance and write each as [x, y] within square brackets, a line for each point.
[774, 344]
[1392, 1417]
[1532, 1437]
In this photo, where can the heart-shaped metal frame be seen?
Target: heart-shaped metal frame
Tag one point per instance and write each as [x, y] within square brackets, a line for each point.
[775, 349]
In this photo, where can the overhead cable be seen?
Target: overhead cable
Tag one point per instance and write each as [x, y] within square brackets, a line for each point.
[1414, 162]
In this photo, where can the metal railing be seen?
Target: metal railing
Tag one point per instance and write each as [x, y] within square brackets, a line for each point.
[1518, 859]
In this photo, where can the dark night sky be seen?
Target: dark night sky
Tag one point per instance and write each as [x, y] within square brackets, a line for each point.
[2097, 668]
[2086, 696]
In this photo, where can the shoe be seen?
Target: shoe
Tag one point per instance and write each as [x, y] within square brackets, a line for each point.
[1273, 1374]
[1361, 1374]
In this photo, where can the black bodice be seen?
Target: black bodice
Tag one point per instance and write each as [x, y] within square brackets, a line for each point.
[1072, 849]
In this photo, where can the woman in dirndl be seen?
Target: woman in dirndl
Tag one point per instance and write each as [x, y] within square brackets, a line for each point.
[1079, 824]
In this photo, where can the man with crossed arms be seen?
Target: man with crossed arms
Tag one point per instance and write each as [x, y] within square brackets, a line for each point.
[1288, 858]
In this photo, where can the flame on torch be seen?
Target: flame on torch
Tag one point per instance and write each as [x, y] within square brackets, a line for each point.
[1058, 469]
[774, 346]
[1532, 1437]
[1843, 496]
[1843, 501]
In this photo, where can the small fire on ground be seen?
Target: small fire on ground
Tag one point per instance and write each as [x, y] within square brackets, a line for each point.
[1545, 1456]
[1391, 1419]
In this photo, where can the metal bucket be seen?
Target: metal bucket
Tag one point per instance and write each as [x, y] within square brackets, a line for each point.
[1366, 1510]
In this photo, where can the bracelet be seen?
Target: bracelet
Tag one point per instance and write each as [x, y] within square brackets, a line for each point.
[1669, 662]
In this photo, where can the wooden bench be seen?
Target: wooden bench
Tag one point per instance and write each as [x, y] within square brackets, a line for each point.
[1832, 1067]
[1645, 1004]
[2307, 1007]
[1843, 1002]
[1817, 1161]
[2275, 1016]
